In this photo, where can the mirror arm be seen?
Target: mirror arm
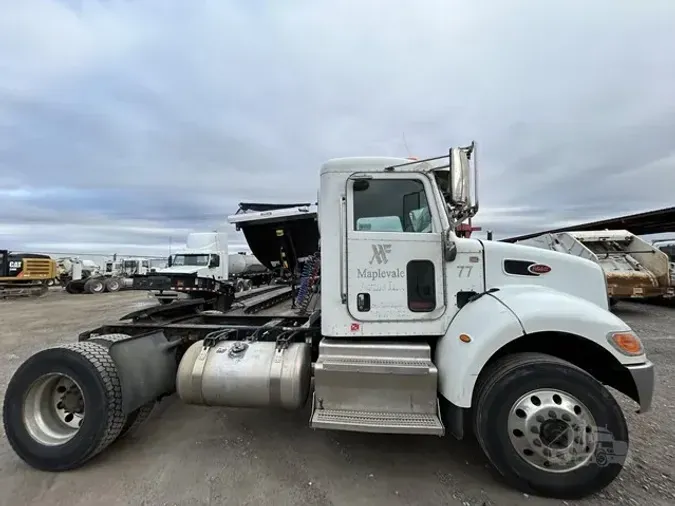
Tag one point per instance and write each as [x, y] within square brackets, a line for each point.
[449, 248]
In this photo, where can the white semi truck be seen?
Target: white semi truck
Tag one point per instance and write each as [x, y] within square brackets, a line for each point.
[205, 269]
[415, 331]
[634, 268]
[85, 276]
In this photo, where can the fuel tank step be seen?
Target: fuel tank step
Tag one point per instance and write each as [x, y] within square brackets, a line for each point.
[368, 421]
[387, 387]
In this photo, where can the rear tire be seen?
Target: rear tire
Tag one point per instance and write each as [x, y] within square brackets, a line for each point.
[94, 286]
[113, 285]
[70, 288]
[137, 417]
[547, 395]
[63, 406]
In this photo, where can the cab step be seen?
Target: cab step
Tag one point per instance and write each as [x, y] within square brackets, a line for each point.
[386, 387]
[382, 422]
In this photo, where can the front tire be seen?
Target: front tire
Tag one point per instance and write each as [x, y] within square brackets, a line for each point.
[537, 418]
[63, 406]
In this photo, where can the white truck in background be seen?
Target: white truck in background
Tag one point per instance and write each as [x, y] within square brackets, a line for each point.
[78, 275]
[127, 267]
[206, 260]
[634, 269]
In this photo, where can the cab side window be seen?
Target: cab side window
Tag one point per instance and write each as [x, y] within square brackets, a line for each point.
[391, 205]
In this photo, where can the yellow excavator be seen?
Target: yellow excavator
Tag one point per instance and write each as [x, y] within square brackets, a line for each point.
[25, 274]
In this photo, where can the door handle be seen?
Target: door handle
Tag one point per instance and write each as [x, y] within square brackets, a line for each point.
[363, 302]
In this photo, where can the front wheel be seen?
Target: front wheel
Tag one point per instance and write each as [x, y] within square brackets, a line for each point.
[542, 422]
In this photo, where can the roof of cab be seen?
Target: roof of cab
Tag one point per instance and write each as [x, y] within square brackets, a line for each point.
[360, 163]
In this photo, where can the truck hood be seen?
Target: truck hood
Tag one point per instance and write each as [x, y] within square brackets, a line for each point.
[508, 264]
[178, 269]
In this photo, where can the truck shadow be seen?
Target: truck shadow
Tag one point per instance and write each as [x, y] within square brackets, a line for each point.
[286, 435]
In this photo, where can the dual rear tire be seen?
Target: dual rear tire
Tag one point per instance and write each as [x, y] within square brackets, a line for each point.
[63, 406]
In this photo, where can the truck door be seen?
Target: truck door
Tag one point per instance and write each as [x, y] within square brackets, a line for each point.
[394, 266]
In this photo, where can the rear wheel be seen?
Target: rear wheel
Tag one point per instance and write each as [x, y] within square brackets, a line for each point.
[239, 286]
[137, 417]
[72, 287]
[94, 285]
[63, 406]
[545, 425]
[113, 285]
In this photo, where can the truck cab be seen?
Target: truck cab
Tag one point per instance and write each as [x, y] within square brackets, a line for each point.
[437, 329]
[397, 265]
[205, 255]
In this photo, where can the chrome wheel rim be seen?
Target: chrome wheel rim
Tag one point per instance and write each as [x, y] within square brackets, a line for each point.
[552, 431]
[53, 409]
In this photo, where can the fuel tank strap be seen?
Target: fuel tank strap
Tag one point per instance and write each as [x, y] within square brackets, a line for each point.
[198, 372]
[276, 370]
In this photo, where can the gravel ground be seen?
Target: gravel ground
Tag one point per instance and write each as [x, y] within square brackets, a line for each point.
[188, 455]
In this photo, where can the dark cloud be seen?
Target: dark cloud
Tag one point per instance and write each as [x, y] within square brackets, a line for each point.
[124, 124]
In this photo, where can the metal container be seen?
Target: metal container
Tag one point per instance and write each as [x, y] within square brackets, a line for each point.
[245, 374]
[244, 264]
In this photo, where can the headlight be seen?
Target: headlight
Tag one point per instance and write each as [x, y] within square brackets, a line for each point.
[626, 343]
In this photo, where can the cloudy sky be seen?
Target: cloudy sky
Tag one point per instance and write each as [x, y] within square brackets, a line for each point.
[126, 123]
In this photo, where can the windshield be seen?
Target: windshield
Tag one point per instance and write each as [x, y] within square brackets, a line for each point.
[191, 260]
[668, 250]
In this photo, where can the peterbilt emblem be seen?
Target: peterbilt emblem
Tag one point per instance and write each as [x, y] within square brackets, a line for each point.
[539, 269]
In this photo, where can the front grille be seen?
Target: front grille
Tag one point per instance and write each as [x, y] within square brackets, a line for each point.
[39, 268]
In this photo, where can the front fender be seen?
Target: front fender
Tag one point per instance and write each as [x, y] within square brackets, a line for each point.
[541, 309]
[490, 324]
[497, 319]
